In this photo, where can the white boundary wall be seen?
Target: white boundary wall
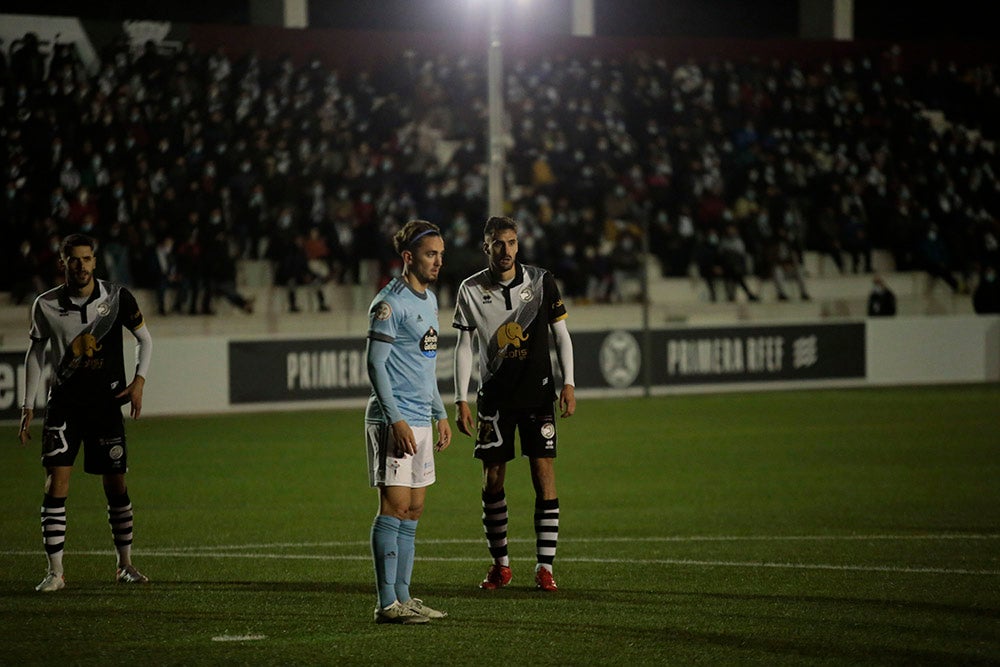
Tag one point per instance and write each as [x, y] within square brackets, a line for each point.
[190, 375]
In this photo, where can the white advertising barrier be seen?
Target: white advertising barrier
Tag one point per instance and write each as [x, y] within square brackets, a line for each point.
[931, 350]
[214, 374]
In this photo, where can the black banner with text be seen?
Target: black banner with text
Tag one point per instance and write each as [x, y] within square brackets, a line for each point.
[721, 355]
[320, 369]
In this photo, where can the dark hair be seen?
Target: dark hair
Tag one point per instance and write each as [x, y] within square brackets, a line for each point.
[75, 241]
[412, 233]
[496, 224]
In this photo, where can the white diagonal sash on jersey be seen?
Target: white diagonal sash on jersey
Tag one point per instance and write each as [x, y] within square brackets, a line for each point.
[99, 328]
[524, 317]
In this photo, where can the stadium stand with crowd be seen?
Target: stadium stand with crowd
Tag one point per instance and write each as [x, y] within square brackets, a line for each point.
[204, 174]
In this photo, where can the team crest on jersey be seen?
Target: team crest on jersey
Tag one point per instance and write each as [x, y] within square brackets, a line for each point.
[429, 343]
[526, 294]
[103, 308]
[383, 311]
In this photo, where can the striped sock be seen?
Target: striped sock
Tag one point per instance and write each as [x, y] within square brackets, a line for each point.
[120, 518]
[546, 531]
[385, 548]
[495, 524]
[54, 531]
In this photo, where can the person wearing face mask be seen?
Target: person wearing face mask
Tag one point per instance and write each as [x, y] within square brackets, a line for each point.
[881, 300]
[936, 259]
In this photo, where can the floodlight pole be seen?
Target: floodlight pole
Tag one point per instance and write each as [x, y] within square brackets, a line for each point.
[495, 82]
[647, 336]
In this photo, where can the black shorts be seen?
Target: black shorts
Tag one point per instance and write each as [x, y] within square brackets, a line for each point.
[495, 440]
[100, 429]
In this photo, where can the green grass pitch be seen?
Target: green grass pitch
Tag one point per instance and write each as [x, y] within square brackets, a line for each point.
[805, 527]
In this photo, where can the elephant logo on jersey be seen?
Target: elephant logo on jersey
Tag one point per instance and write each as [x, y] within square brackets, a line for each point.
[511, 333]
[85, 345]
[429, 343]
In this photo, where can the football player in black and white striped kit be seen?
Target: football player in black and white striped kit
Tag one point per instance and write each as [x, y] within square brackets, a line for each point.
[81, 323]
[509, 308]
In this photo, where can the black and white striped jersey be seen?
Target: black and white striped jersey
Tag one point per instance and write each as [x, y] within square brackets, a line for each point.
[510, 327]
[85, 340]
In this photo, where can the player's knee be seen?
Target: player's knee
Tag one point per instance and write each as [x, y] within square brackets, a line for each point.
[57, 485]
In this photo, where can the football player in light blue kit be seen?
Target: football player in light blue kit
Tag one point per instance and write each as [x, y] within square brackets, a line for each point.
[402, 412]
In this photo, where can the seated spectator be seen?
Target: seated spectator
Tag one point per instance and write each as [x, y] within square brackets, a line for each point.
[734, 259]
[27, 272]
[162, 269]
[293, 271]
[935, 259]
[881, 300]
[708, 259]
[220, 275]
[785, 265]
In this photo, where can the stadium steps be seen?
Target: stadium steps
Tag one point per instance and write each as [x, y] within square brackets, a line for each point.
[673, 301]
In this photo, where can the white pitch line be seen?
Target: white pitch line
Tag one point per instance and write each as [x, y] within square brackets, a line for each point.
[564, 540]
[606, 561]
[238, 638]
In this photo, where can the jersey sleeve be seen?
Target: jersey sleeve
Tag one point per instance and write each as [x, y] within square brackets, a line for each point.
[131, 315]
[383, 320]
[464, 318]
[553, 300]
[39, 325]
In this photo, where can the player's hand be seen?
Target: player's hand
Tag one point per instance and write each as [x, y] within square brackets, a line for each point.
[406, 442]
[463, 418]
[134, 393]
[444, 435]
[24, 433]
[567, 400]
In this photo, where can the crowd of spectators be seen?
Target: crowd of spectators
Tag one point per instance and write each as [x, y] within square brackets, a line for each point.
[182, 163]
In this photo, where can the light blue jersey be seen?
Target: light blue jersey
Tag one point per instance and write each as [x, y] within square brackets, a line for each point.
[402, 355]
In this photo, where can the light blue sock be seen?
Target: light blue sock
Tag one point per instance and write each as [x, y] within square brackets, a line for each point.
[385, 550]
[404, 568]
